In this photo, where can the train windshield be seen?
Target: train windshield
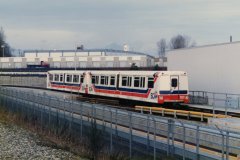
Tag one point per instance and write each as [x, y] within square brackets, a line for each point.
[174, 82]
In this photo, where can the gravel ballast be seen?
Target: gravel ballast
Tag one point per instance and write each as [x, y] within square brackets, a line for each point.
[17, 143]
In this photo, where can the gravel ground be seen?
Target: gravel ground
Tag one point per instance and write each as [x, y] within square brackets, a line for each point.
[17, 143]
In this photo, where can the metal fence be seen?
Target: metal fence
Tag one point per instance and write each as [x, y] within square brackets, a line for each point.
[133, 133]
[220, 100]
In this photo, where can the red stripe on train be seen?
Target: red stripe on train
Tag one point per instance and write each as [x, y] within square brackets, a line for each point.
[66, 87]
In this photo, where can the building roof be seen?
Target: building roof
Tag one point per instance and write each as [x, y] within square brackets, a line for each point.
[203, 46]
[107, 51]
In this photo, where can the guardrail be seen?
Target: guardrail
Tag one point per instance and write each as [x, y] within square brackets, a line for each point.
[148, 134]
[176, 113]
[223, 100]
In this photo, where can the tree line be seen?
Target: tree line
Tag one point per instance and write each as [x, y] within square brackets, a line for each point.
[176, 42]
[5, 49]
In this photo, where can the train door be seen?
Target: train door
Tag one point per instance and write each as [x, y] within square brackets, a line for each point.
[86, 80]
[174, 85]
[117, 82]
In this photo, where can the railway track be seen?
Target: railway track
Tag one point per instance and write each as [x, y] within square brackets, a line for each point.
[174, 112]
[189, 113]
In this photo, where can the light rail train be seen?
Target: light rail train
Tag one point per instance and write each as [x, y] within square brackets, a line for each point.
[156, 87]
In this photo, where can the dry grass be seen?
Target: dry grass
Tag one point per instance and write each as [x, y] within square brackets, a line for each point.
[84, 148]
[65, 142]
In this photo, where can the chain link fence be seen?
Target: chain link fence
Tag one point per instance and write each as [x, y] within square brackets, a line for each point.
[216, 100]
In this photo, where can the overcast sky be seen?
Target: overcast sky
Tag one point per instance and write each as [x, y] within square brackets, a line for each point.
[62, 24]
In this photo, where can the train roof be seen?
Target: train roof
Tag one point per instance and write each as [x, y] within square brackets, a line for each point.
[135, 72]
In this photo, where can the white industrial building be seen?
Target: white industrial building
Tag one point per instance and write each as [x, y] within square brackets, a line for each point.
[79, 59]
[213, 68]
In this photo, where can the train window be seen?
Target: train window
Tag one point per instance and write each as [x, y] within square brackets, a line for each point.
[112, 80]
[136, 81]
[150, 82]
[50, 77]
[142, 84]
[61, 77]
[129, 82]
[56, 77]
[93, 79]
[81, 79]
[97, 80]
[124, 81]
[102, 81]
[69, 78]
[174, 82]
[76, 78]
[106, 80]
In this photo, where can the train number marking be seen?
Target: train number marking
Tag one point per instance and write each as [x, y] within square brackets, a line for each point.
[154, 95]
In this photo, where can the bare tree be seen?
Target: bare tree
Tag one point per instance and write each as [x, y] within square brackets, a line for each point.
[2, 37]
[5, 50]
[181, 41]
[162, 45]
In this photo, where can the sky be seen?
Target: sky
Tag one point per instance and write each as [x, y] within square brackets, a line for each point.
[64, 24]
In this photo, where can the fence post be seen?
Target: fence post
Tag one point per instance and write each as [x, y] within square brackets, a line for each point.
[130, 132]
[227, 102]
[148, 125]
[41, 113]
[116, 121]
[64, 108]
[238, 101]
[184, 141]
[173, 136]
[103, 116]
[222, 145]
[154, 145]
[71, 117]
[193, 99]
[49, 114]
[227, 145]
[213, 103]
[81, 110]
[197, 141]
[111, 132]
[72, 111]
[170, 134]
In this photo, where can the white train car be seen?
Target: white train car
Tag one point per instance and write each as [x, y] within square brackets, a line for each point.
[146, 86]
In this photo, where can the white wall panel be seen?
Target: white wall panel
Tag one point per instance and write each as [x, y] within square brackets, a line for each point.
[30, 55]
[210, 68]
[5, 59]
[68, 54]
[55, 54]
[96, 58]
[82, 58]
[69, 58]
[43, 54]
[82, 54]
[17, 59]
[56, 59]
[138, 58]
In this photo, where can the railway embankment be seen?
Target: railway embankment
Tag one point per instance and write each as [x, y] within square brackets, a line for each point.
[16, 142]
